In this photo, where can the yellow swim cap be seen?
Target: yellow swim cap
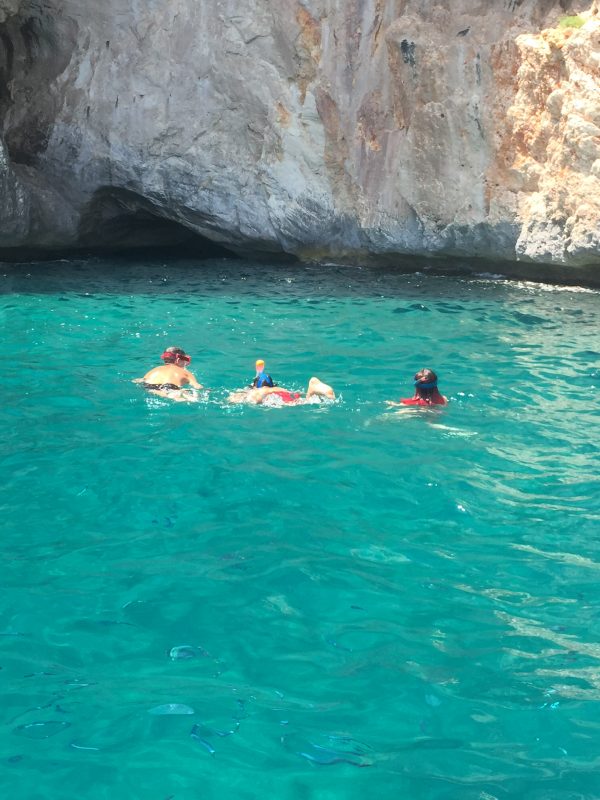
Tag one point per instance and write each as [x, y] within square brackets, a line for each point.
[260, 363]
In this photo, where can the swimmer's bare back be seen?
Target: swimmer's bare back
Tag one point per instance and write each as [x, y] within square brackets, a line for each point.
[169, 381]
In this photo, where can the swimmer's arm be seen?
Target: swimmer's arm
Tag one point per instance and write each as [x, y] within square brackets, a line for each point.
[393, 403]
[192, 381]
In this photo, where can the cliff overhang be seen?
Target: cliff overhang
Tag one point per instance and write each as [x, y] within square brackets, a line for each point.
[296, 130]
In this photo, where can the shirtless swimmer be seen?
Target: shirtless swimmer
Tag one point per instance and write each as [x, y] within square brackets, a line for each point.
[172, 378]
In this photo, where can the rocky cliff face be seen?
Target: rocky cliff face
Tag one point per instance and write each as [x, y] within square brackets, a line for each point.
[326, 129]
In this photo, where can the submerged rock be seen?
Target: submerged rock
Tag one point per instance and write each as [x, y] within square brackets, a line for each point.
[347, 132]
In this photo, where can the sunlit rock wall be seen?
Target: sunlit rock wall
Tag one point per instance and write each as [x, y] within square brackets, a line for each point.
[552, 144]
[328, 129]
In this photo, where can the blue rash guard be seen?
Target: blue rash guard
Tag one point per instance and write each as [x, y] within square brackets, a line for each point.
[262, 379]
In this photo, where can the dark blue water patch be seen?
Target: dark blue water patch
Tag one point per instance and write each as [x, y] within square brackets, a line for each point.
[530, 320]
[410, 308]
[571, 312]
[447, 308]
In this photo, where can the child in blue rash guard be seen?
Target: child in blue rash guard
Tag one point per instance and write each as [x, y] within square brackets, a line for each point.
[316, 391]
[262, 379]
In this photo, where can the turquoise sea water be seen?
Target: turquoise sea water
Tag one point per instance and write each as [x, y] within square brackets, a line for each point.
[205, 601]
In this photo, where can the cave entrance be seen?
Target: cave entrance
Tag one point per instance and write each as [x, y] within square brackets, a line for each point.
[118, 220]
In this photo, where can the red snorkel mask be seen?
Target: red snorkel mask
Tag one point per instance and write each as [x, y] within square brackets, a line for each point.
[166, 356]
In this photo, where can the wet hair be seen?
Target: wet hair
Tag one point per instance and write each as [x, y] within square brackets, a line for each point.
[171, 353]
[426, 376]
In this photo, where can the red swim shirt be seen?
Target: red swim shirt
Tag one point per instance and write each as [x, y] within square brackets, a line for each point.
[436, 399]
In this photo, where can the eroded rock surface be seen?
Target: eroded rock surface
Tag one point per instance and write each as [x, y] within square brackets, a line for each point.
[555, 128]
[326, 129]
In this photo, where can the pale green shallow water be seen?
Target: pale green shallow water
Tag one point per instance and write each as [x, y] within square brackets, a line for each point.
[417, 596]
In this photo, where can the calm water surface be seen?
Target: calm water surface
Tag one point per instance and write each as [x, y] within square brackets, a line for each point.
[203, 601]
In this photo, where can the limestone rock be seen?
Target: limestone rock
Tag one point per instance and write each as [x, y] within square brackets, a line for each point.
[558, 137]
[8, 8]
[348, 131]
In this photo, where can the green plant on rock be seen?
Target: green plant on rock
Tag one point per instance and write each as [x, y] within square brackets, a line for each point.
[571, 22]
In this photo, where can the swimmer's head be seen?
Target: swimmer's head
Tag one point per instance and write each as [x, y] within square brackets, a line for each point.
[425, 380]
[262, 379]
[175, 355]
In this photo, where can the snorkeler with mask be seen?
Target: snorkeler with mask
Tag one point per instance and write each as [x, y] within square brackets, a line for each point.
[261, 379]
[172, 378]
[264, 391]
[426, 392]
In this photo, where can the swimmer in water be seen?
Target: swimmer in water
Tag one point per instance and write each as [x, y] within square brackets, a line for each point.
[317, 390]
[261, 379]
[426, 392]
[171, 379]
